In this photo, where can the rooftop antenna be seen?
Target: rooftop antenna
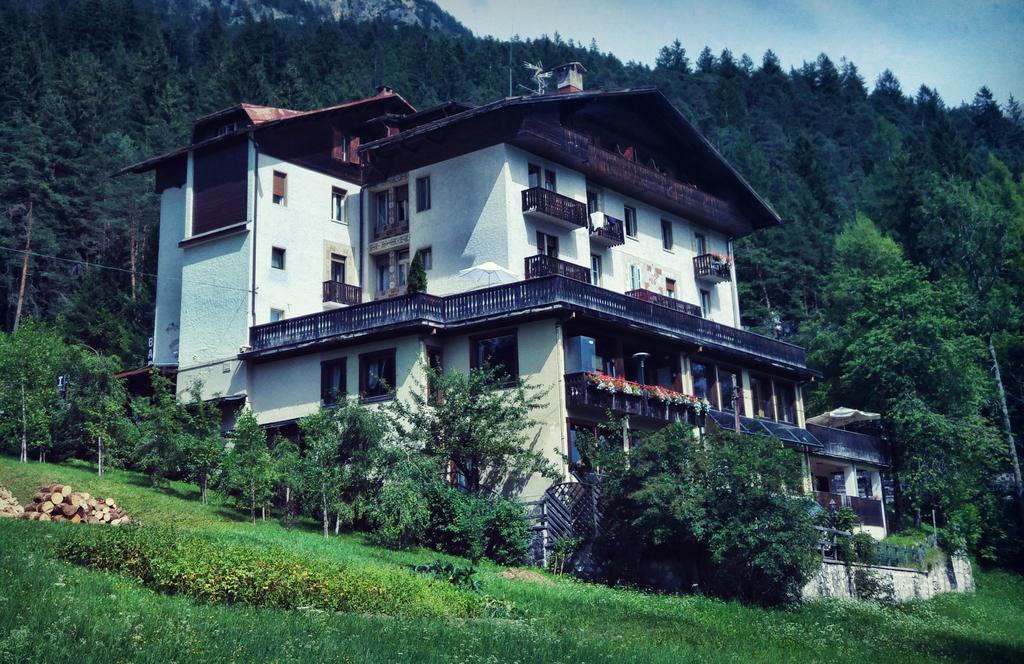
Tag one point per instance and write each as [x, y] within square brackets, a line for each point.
[540, 78]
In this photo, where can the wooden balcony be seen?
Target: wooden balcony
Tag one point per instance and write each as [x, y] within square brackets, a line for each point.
[580, 393]
[868, 510]
[636, 180]
[545, 266]
[851, 445]
[556, 208]
[335, 291]
[665, 301]
[709, 267]
[554, 293]
[606, 230]
[390, 230]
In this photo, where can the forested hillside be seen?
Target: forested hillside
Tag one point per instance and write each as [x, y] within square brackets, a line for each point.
[906, 313]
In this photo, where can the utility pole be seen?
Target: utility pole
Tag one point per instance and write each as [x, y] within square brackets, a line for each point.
[24, 267]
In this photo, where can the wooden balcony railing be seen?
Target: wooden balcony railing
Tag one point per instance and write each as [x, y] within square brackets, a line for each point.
[555, 207]
[711, 268]
[390, 230]
[868, 510]
[544, 266]
[665, 301]
[580, 393]
[607, 230]
[632, 178]
[335, 291]
[555, 292]
[851, 445]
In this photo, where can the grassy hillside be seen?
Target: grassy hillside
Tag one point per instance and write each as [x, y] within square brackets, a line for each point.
[52, 611]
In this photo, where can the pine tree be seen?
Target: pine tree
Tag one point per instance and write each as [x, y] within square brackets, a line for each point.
[417, 280]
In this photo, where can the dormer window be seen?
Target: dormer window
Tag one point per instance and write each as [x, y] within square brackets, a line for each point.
[227, 129]
[339, 148]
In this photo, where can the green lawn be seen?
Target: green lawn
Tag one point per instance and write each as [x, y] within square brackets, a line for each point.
[51, 611]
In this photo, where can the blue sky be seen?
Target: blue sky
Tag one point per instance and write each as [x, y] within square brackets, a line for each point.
[953, 46]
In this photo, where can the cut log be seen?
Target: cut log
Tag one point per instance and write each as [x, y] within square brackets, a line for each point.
[68, 510]
[109, 501]
[76, 519]
[66, 489]
[47, 507]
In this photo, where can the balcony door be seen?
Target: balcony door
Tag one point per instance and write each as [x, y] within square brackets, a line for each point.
[700, 244]
[337, 268]
[547, 245]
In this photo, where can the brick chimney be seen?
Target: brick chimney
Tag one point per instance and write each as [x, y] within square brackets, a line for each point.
[569, 77]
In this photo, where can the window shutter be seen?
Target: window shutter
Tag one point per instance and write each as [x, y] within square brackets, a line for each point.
[279, 184]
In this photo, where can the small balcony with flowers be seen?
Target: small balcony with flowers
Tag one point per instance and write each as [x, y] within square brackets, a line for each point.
[600, 393]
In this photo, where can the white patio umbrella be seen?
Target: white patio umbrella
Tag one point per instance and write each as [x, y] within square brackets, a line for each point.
[840, 417]
[488, 274]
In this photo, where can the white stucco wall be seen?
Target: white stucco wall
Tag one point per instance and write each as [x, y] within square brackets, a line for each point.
[469, 220]
[167, 317]
[290, 388]
[304, 229]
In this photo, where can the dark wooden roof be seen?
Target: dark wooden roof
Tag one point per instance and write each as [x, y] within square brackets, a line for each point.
[643, 113]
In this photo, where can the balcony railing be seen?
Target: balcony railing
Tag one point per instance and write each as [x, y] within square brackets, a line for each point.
[555, 207]
[640, 180]
[606, 230]
[550, 293]
[851, 445]
[382, 232]
[545, 266]
[335, 291]
[710, 267]
[665, 301]
[580, 393]
[868, 510]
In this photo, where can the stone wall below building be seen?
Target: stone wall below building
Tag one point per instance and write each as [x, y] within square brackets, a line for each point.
[857, 581]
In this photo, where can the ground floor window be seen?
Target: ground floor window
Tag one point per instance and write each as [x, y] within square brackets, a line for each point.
[499, 351]
[377, 375]
[332, 380]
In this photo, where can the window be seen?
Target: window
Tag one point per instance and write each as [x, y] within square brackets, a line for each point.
[576, 458]
[595, 269]
[785, 395]
[500, 352]
[700, 244]
[338, 268]
[730, 383]
[276, 315]
[403, 268]
[427, 256]
[422, 194]
[402, 204]
[435, 360]
[381, 204]
[549, 180]
[761, 396]
[277, 258]
[705, 303]
[630, 214]
[280, 187]
[383, 273]
[533, 175]
[338, 204]
[666, 234]
[864, 483]
[547, 245]
[332, 381]
[704, 382]
[339, 147]
[670, 288]
[634, 277]
[593, 201]
[377, 375]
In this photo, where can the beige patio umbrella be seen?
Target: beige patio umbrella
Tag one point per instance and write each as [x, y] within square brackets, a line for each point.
[488, 274]
[841, 417]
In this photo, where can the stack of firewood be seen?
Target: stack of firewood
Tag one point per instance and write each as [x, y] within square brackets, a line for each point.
[57, 502]
[9, 505]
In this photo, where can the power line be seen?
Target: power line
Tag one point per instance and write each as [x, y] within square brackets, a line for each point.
[116, 269]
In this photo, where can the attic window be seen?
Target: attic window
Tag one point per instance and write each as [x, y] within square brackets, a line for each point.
[339, 146]
[227, 129]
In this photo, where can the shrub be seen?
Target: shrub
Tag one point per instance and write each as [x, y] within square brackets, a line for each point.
[400, 512]
[863, 547]
[507, 533]
[221, 571]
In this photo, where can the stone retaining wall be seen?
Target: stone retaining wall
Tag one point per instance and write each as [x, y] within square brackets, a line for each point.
[858, 581]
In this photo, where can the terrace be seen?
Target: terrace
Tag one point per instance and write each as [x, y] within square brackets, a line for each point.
[553, 294]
